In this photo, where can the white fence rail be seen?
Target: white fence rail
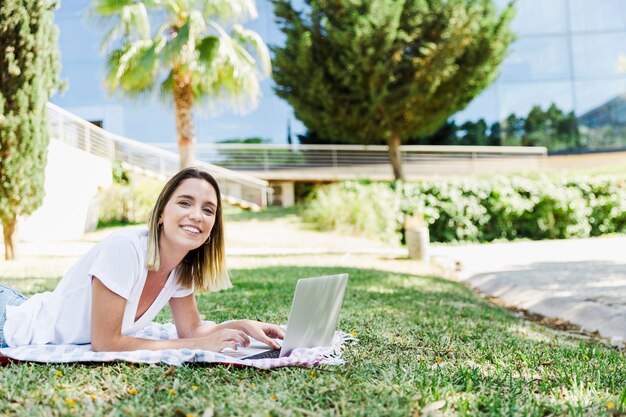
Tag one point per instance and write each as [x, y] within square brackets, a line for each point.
[423, 159]
[236, 188]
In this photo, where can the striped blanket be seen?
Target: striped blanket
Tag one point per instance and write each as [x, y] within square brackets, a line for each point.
[83, 353]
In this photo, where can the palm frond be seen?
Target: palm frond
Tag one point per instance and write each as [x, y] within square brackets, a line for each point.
[254, 44]
[111, 7]
[180, 48]
[231, 11]
[167, 87]
[174, 7]
[135, 67]
[130, 20]
[207, 48]
[222, 64]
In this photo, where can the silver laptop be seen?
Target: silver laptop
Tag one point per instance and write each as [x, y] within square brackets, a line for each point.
[312, 321]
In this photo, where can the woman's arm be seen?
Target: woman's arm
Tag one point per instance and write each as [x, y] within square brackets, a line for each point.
[107, 313]
[188, 324]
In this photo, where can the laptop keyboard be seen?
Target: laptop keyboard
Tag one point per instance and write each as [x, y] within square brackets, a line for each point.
[268, 354]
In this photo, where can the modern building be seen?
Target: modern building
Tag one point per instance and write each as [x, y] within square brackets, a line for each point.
[568, 52]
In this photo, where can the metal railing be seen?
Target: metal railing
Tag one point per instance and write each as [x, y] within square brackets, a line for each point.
[236, 188]
[437, 159]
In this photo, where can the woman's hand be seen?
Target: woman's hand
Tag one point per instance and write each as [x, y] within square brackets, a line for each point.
[222, 338]
[218, 337]
[263, 332]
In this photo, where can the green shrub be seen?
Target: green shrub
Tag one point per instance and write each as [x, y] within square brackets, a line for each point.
[476, 210]
[120, 176]
[128, 203]
[558, 212]
[452, 210]
[371, 209]
[606, 198]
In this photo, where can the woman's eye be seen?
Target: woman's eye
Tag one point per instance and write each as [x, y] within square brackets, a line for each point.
[207, 211]
[184, 203]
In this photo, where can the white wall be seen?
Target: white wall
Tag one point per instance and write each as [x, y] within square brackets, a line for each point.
[69, 209]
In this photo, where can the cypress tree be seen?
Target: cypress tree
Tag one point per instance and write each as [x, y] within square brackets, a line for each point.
[29, 68]
[362, 71]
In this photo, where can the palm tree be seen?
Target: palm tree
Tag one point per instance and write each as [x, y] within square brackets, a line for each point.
[190, 56]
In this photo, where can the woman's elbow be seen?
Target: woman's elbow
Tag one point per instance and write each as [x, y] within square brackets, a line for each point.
[98, 346]
[103, 344]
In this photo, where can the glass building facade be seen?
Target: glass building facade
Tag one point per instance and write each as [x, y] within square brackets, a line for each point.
[570, 53]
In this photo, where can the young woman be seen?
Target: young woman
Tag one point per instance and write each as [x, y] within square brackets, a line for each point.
[120, 285]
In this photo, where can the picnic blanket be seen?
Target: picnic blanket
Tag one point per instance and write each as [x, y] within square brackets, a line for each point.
[82, 353]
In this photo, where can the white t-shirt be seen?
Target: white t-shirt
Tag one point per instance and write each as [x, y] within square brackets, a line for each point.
[63, 316]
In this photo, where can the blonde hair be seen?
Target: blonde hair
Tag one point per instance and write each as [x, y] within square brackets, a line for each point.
[205, 267]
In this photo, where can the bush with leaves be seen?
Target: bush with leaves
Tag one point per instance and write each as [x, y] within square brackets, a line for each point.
[453, 211]
[476, 211]
[370, 209]
[606, 197]
[129, 203]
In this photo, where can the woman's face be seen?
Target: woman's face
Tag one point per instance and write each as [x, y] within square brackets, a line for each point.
[189, 215]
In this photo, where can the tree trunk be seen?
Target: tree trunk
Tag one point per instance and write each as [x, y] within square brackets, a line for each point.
[394, 156]
[8, 229]
[183, 100]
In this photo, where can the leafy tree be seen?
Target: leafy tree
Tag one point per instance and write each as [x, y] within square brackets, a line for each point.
[365, 70]
[190, 57]
[495, 134]
[537, 127]
[551, 128]
[474, 133]
[569, 132]
[312, 138]
[512, 130]
[29, 68]
[445, 135]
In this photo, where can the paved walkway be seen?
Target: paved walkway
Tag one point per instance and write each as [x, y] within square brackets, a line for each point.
[581, 281]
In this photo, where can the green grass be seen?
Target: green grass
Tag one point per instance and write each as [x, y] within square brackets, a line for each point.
[423, 341]
[115, 224]
[235, 214]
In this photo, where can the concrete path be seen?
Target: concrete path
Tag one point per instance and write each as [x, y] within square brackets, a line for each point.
[582, 281]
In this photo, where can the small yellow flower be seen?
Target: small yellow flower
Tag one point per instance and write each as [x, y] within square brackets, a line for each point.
[312, 373]
[252, 385]
[58, 374]
[586, 357]
[438, 360]
[274, 397]
[190, 415]
[132, 391]
[353, 334]
[610, 405]
[70, 402]
[93, 397]
[172, 391]
[194, 387]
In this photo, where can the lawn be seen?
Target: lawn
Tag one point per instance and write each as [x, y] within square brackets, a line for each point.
[426, 346]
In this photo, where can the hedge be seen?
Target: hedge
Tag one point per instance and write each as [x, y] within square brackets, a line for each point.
[475, 210]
